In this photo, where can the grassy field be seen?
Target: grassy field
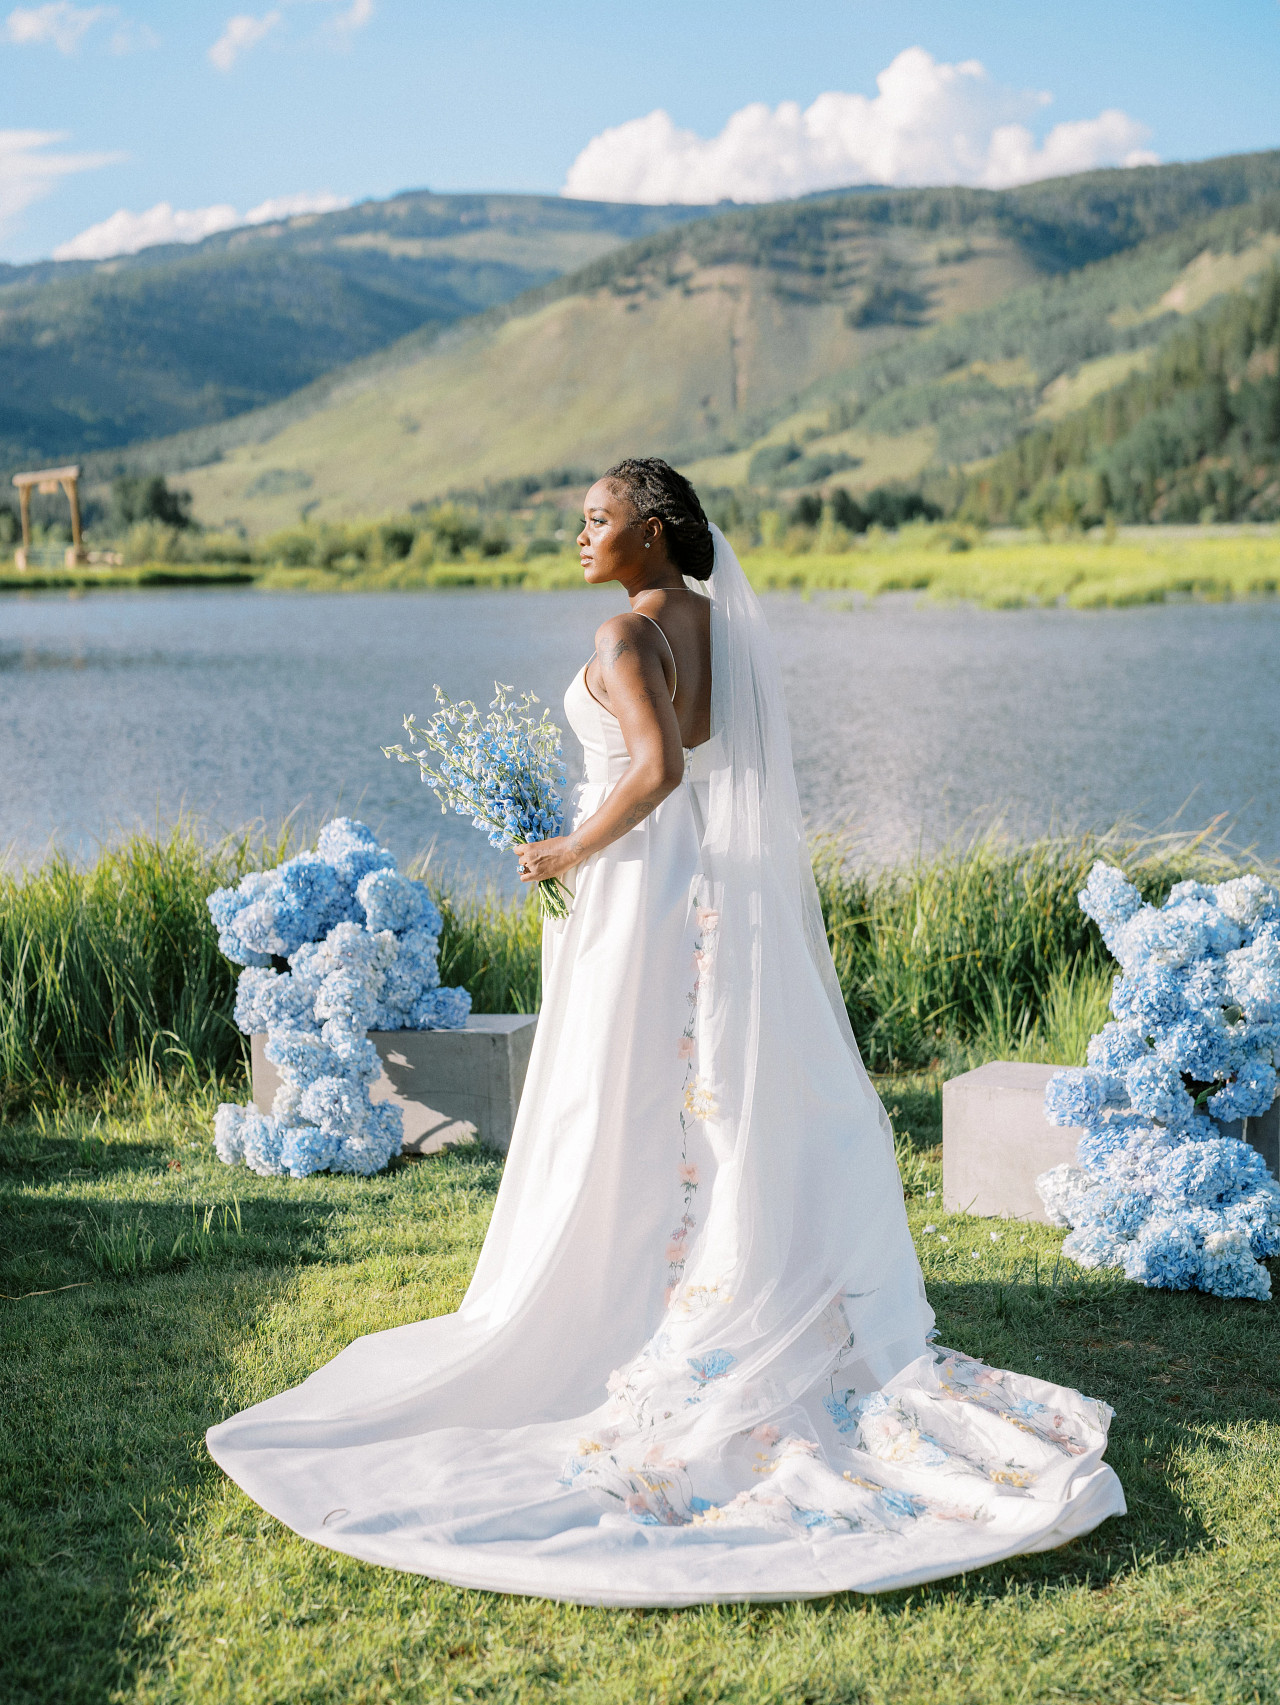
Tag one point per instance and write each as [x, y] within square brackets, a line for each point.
[1086, 573]
[135, 1572]
[938, 562]
[146, 1291]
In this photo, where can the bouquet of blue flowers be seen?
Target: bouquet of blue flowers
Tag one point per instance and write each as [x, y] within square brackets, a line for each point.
[1164, 1187]
[500, 770]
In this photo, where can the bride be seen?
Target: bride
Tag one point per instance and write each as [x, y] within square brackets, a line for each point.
[695, 1360]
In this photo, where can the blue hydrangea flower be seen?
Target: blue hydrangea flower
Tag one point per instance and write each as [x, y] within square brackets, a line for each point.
[228, 1138]
[441, 1009]
[225, 908]
[391, 901]
[1078, 1097]
[1151, 995]
[1109, 898]
[1156, 1089]
[362, 944]
[1248, 900]
[1199, 1044]
[338, 1105]
[1158, 1189]
[1164, 1254]
[272, 1000]
[263, 1137]
[307, 1149]
[1248, 1095]
[1116, 1046]
[370, 1149]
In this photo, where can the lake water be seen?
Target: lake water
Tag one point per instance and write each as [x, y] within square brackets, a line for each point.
[910, 722]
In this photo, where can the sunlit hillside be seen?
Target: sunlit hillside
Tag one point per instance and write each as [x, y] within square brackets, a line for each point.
[953, 399]
[669, 357]
[857, 338]
[95, 354]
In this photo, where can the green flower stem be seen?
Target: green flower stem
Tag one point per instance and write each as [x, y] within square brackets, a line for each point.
[553, 896]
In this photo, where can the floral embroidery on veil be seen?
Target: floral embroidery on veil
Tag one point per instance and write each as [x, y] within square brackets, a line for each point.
[696, 1101]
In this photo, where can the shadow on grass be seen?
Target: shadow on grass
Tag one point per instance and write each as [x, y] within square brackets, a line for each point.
[109, 1390]
[81, 1240]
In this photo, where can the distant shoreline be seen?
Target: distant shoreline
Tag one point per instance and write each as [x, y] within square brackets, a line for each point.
[944, 563]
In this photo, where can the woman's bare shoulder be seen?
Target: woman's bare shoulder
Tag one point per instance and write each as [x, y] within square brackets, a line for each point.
[627, 631]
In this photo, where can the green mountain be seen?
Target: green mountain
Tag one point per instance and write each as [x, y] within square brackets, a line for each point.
[852, 339]
[98, 354]
[1193, 434]
[936, 406]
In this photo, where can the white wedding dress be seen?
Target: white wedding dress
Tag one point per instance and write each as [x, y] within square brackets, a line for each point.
[694, 1360]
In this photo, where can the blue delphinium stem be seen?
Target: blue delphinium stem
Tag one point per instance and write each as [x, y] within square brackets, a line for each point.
[500, 770]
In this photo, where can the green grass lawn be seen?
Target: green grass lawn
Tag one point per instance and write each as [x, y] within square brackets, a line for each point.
[135, 1572]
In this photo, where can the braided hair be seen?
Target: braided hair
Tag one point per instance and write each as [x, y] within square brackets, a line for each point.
[655, 489]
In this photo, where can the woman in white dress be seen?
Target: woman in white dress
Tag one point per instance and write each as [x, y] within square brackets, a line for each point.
[695, 1360]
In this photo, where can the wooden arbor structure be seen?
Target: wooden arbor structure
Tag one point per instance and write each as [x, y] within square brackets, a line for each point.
[47, 481]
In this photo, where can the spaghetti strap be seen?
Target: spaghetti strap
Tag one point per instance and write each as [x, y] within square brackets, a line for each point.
[674, 667]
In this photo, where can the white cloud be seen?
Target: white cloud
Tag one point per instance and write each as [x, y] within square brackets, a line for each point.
[124, 233]
[29, 169]
[354, 18]
[60, 24]
[242, 32]
[929, 123]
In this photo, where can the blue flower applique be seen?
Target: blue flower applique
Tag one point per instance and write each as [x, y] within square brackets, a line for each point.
[714, 1365]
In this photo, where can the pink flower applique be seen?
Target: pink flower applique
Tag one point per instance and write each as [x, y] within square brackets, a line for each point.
[655, 1459]
[689, 1173]
[685, 1048]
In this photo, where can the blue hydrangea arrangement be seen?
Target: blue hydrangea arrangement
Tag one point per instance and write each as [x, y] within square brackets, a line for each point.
[1159, 1189]
[501, 770]
[361, 941]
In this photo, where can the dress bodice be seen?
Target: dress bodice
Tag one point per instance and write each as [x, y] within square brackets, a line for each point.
[604, 749]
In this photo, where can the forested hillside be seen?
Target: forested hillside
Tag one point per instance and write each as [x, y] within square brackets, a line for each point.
[968, 389]
[1194, 436]
[97, 354]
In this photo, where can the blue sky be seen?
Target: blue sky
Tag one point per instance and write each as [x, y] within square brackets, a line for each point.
[364, 97]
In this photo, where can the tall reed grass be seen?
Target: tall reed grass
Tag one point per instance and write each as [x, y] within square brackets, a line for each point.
[982, 948]
[492, 947]
[110, 977]
[112, 972]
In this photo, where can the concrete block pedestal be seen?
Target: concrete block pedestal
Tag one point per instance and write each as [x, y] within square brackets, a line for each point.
[996, 1140]
[452, 1085]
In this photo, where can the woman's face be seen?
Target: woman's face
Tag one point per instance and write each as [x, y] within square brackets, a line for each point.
[611, 543]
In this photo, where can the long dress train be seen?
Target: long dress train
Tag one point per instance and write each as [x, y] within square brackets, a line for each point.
[693, 1362]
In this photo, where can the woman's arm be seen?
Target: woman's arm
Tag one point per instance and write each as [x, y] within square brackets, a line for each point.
[630, 663]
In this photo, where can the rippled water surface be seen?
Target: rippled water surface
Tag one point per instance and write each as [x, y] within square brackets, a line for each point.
[120, 708]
